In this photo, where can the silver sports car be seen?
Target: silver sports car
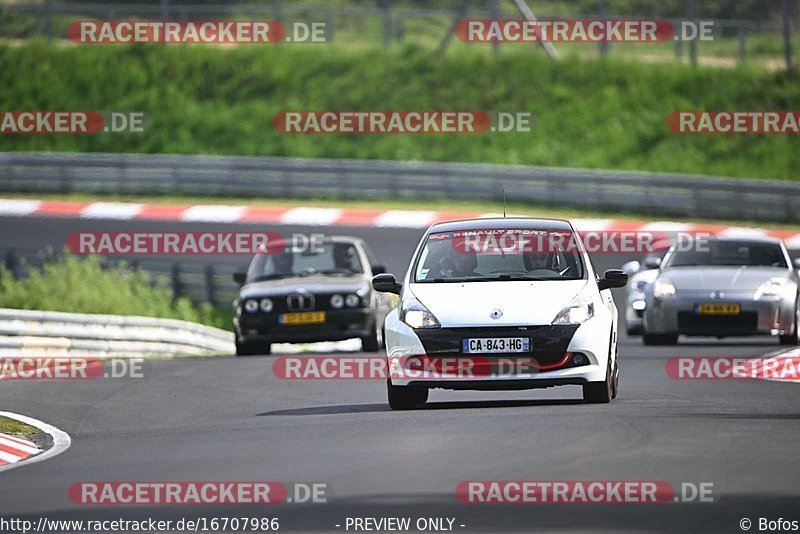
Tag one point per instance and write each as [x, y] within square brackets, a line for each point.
[723, 287]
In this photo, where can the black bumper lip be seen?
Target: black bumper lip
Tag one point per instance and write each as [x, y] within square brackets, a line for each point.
[335, 327]
[498, 385]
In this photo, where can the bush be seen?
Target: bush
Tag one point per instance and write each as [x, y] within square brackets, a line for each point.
[82, 285]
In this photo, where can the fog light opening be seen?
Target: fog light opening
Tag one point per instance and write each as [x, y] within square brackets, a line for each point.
[579, 358]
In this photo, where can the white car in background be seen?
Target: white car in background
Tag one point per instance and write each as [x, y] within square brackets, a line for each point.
[641, 275]
[546, 308]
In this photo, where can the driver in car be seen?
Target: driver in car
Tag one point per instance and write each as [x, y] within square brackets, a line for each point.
[283, 263]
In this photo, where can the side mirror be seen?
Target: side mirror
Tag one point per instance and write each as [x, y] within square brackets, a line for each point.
[378, 269]
[239, 278]
[796, 263]
[632, 267]
[386, 283]
[612, 278]
[653, 262]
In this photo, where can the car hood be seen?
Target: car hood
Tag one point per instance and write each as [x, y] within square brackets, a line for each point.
[521, 302]
[312, 284]
[705, 278]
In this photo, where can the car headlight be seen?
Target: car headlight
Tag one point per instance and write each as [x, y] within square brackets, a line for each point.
[639, 305]
[415, 315]
[770, 288]
[580, 310]
[266, 305]
[351, 301]
[251, 306]
[663, 287]
[337, 301]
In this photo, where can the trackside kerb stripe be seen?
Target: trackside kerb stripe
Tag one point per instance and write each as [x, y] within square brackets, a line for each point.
[13, 450]
[316, 216]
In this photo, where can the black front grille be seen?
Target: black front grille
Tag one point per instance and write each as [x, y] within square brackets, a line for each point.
[548, 343]
[690, 322]
[300, 302]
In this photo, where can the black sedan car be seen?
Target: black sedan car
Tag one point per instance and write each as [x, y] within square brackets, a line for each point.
[309, 293]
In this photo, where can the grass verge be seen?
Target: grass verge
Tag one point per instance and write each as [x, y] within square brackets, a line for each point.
[83, 285]
[607, 114]
[15, 428]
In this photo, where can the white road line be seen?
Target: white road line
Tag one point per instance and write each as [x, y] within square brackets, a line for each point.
[738, 231]
[111, 210]
[665, 226]
[213, 213]
[61, 440]
[311, 216]
[591, 225]
[405, 219]
[18, 207]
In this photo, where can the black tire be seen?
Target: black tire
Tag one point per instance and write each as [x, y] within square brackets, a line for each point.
[792, 339]
[406, 397]
[373, 342]
[615, 378]
[659, 339]
[600, 392]
[248, 348]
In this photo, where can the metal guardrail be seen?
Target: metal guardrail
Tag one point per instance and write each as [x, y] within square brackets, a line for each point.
[696, 196]
[107, 335]
[200, 283]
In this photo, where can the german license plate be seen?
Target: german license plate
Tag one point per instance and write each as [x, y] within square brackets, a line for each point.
[489, 345]
[302, 318]
[717, 308]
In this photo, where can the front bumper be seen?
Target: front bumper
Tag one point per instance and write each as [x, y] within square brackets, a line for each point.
[544, 366]
[339, 325]
[676, 315]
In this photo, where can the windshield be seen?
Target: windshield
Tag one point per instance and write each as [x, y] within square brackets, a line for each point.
[328, 258]
[729, 253]
[508, 254]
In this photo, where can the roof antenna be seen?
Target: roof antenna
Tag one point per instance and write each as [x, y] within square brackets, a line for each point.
[504, 202]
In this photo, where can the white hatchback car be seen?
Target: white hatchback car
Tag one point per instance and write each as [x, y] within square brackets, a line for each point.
[501, 304]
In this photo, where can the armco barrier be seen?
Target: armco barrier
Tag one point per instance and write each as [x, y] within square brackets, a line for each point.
[46, 332]
[701, 197]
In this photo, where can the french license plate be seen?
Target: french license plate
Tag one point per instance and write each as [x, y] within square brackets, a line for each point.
[302, 318]
[489, 345]
[717, 308]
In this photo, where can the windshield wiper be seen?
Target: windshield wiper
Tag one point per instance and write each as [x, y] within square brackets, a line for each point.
[275, 276]
[347, 272]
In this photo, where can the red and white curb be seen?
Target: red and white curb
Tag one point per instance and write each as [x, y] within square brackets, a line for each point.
[316, 216]
[778, 367]
[16, 451]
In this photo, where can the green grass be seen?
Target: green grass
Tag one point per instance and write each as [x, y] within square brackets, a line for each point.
[589, 113]
[15, 428]
[82, 285]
